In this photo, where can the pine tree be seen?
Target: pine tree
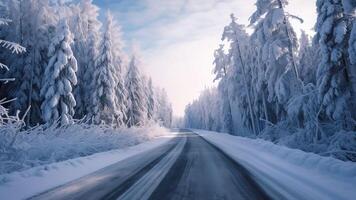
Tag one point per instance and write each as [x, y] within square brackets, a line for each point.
[59, 78]
[136, 115]
[105, 79]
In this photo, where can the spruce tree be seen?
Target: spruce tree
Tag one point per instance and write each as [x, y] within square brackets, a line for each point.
[332, 74]
[105, 79]
[136, 115]
[59, 78]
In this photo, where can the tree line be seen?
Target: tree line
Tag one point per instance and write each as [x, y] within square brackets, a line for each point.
[300, 93]
[74, 67]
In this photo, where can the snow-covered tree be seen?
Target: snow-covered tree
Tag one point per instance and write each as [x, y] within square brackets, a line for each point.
[120, 60]
[332, 74]
[14, 48]
[10, 32]
[105, 79]
[235, 33]
[163, 108]
[275, 35]
[307, 59]
[221, 62]
[136, 113]
[90, 66]
[36, 22]
[204, 112]
[86, 27]
[350, 14]
[151, 102]
[59, 78]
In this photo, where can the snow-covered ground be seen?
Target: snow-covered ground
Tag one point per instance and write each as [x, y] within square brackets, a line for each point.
[293, 173]
[41, 178]
[27, 149]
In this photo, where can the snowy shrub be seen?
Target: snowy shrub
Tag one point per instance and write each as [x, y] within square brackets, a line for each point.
[20, 150]
[343, 146]
[275, 132]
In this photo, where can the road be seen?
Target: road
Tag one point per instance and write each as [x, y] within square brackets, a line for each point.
[187, 167]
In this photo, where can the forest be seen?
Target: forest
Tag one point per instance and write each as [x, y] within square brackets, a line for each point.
[68, 86]
[295, 91]
[84, 113]
[62, 64]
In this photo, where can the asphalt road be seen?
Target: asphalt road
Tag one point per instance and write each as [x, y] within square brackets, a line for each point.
[187, 167]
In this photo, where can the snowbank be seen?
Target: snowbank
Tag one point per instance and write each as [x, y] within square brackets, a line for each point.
[292, 173]
[23, 150]
[42, 178]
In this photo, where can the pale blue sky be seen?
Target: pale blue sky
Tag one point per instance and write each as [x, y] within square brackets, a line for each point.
[178, 37]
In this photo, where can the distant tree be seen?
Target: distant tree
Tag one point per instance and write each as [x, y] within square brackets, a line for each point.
[136, 114]
[307, 59]
[151, 101]
[163, 108]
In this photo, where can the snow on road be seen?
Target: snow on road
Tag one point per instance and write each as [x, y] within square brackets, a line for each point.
[294, 174]
[144, 187]
[39, 179]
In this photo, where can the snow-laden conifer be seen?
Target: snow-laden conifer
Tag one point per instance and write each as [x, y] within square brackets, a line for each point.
[332, 74]
[59, 78]
[105, 79]
[87, 35]
[135, 113]
[275, 35]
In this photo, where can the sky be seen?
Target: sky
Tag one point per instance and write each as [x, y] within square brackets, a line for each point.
[177, 38]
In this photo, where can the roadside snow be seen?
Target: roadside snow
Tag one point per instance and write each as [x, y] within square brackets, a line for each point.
[39, 179]
[27, 149]
[292, 173]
